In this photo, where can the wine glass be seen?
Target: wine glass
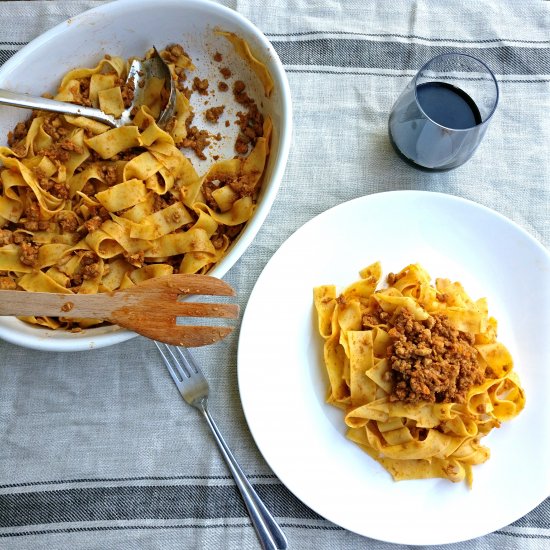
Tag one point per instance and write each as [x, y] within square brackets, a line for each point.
[440, 118]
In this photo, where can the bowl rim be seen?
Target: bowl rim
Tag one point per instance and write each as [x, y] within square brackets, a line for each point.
[83, 341]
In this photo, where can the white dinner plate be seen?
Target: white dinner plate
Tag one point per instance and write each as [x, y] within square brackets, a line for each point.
[283, 384]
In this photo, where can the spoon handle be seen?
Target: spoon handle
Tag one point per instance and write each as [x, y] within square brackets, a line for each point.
[43, 104]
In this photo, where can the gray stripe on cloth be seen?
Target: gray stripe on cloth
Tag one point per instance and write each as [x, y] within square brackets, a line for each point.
[5, 55]
[522, 535]
[503, 60]
[408, 74]
[116, 528]
[353, 53]
[165, 502]
[405, 36]
[128, 479]
[182, 525]
[142, 502]
[540, 520]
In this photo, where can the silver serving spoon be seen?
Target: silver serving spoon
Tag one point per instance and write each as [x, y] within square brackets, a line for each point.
[140, 72]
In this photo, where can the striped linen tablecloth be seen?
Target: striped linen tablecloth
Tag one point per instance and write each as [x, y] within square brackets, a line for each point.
[97, 450]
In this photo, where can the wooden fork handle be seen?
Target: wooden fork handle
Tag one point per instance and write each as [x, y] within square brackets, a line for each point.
[157, 291]
[49, 304]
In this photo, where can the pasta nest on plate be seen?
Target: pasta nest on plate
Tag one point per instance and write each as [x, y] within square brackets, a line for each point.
[417, 370]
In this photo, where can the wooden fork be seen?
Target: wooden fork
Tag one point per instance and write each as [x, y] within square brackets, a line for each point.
[150, 308]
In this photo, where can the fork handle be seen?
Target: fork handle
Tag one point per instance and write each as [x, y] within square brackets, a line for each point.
[270, 534]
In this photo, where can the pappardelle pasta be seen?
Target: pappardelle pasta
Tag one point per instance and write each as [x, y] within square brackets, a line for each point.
[417, 370]
[85, 208]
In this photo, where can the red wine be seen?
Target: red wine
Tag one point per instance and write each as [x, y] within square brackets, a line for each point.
[448, 105]
[435, 126]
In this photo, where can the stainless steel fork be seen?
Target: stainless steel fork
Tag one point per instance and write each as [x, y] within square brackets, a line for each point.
[193, 387]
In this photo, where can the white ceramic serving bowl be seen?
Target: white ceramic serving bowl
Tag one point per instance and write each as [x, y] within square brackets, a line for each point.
[129, 28]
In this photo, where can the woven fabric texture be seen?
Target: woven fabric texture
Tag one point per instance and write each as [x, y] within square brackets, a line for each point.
[97, 450]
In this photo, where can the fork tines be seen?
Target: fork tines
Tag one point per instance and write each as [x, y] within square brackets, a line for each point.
[186, 374]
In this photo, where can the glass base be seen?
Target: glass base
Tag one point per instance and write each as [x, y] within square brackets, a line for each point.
[411, 162]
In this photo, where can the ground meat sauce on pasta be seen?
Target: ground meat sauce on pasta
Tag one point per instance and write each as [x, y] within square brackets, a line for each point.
[213, 114]
[430, 360]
